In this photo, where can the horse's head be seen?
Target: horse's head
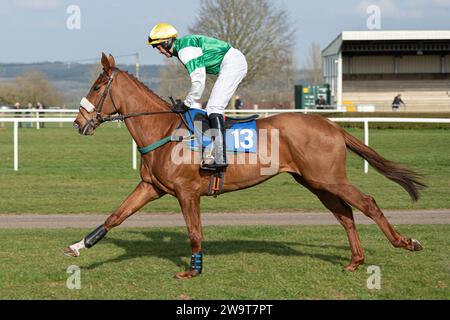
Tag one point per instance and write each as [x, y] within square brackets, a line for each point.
[99, 103]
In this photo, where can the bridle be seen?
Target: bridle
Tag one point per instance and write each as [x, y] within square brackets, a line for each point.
[89, 107]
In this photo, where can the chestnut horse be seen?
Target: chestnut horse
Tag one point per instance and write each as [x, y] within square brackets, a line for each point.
[312, 149]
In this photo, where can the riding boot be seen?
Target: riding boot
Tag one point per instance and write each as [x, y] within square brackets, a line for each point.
[217, 123]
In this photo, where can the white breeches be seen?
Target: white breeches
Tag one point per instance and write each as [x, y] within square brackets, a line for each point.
[232, 70]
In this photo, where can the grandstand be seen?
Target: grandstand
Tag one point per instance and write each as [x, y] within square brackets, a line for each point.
[367, 69]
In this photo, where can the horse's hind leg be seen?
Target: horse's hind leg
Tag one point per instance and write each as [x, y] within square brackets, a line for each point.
[344, 214]
[367, 205]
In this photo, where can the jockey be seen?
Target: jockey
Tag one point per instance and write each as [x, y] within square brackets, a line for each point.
[201, 55]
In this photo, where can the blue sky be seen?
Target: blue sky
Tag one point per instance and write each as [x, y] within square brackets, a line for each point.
[35, 30]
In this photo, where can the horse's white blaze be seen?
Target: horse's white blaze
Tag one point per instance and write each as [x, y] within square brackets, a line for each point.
[87, 105]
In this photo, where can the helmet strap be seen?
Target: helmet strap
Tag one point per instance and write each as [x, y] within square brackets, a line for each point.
[167, 45]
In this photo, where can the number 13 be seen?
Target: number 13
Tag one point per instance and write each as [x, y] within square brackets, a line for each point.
[248, 138]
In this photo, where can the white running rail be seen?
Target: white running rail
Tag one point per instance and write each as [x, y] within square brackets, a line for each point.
[366, 122]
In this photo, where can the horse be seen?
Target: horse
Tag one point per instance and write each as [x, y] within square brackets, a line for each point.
[311, 148]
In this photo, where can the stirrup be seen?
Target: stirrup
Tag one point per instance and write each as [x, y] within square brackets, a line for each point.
[209, 164]
[207, 160]
[213, 166]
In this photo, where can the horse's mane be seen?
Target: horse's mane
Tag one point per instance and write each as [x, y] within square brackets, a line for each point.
[146, 89]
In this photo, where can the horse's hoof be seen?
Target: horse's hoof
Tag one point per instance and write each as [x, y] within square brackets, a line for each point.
[354, 264]
[350, 268]
[186, 275]
[71, 252]
[416, 245]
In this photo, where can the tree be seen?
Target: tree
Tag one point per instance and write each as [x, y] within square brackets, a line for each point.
[313, 68]
[257, 28]
[174, 80]
[8, 93]
[30, 87]
[261, 31]
[94, 72]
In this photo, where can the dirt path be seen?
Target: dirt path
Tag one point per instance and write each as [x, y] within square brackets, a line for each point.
[57, 221]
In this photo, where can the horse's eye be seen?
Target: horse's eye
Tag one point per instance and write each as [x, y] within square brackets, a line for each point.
[97, 87]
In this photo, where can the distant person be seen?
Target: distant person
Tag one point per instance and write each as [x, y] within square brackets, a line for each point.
[321, 103]
[396, 103]
[18, 114]
[40, 106]
[238, 103]
[28, 114]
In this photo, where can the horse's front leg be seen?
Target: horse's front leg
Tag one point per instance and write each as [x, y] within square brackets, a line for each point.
[143, 194]
[190, 206]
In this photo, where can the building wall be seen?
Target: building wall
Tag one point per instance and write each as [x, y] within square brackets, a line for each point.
[419, 64]
[369, 65]
[330, 74]
[394, 65]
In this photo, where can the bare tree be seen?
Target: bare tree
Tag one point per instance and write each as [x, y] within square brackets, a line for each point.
[313, 68]
[95, 71]
[175, 80]
[261, 31]
[257, 28]
[8, 93]
[30, 88]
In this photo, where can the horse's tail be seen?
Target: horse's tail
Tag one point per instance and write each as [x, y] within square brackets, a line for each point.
[408, 179]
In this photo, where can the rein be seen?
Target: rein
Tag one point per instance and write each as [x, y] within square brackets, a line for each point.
[89, 107]
[131, 115]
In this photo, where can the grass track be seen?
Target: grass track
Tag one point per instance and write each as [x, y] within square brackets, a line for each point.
[240, 263]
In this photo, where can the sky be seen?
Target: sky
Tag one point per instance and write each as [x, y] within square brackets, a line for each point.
[37, 30]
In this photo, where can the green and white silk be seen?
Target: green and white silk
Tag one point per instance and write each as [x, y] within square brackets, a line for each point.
[200, 55]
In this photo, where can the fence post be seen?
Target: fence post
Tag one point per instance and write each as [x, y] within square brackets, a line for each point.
[134, 155]
[366, 142]
[16, 145]
[38, 125]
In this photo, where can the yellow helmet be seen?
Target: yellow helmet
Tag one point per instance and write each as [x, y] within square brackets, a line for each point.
[161, 33]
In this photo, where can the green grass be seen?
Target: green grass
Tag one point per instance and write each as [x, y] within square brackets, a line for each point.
[240, 263]
[63, 172]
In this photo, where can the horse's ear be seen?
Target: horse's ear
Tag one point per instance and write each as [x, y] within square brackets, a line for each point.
[105, 62]
[112, 61]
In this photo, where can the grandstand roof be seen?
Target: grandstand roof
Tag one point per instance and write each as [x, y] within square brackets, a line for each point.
[386, 35]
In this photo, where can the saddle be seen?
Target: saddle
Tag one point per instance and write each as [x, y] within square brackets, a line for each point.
[241, 132]
[241, 137]
[229, 121]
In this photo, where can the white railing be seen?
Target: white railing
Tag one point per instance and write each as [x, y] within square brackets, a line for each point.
[75, 111]
[366, 122]
[37, 114]
[39, 110]
[16, 122]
